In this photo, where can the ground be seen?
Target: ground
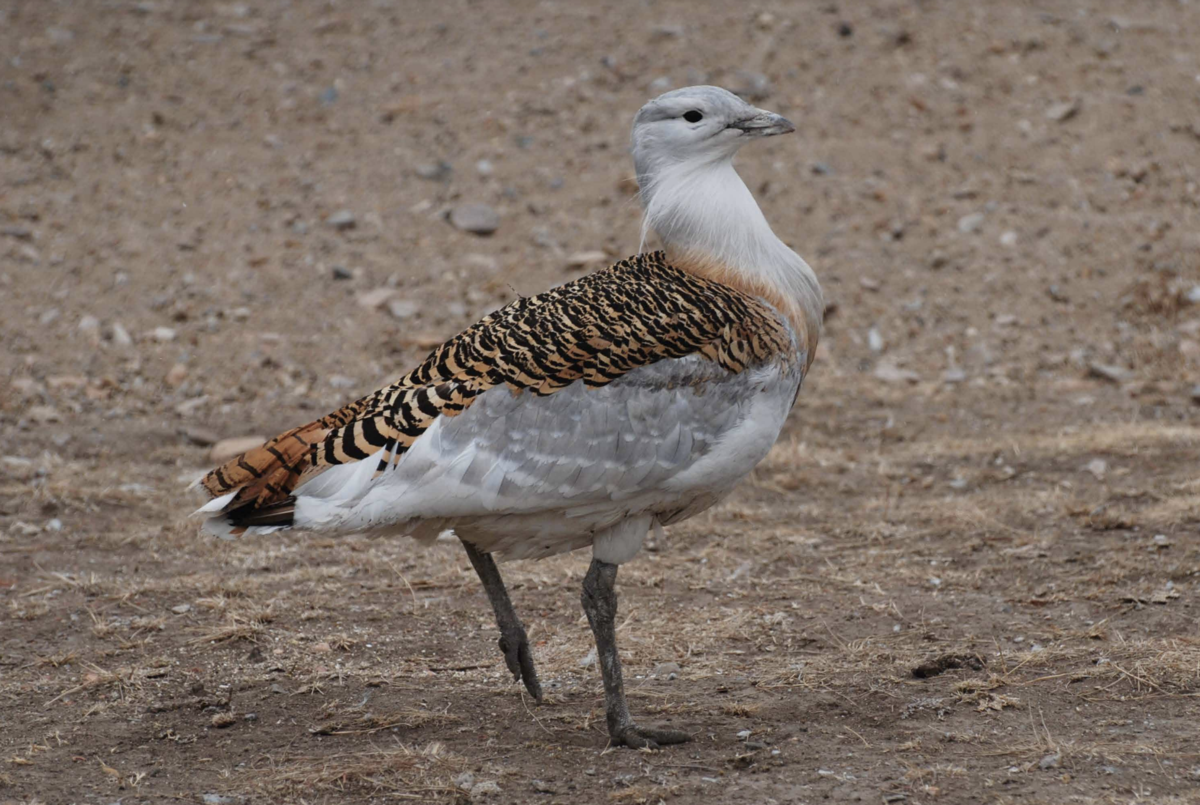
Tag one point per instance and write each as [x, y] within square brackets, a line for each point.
[968, 572]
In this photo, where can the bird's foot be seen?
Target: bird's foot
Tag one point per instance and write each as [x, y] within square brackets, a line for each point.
[636, 737]
[519, 659]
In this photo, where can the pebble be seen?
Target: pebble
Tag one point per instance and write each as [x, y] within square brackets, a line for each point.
[49, 316]
[476, 218]
[434, 171]
[486, 788]
[181, 609]
[954, 375]
[176, 375]
[56, 524]
[89, 324]
[484, 167]
[1195, 394]
[121, 336]
[1162, 541]
[1008, 239]
[744, 734]
[162, 334]
[464, 780]
[226, 449]
[216, 799]
[667, 668]
[403, 308]
[970, 223]
[374, 298]
[752, 86]
[1109, 372]
[1061, 112]
[1097, 467]
[44, 413]
[584, 259]
[342, 220]
[875, 340]
[890, 373]
[342, 273]
[1050, 761]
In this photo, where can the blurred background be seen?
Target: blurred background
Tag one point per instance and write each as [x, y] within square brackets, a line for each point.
[218, 220]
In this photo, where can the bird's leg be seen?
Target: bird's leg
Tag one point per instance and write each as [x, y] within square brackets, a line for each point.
[600, 603]
[513, 641]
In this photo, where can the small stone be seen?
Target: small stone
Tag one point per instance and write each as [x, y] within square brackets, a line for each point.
[216, 799]
[1061, 112]
[1109, 372]
[89, 324]
[667, 668]
[1195, 394]
[484, 167]
[374, 298]
[752, 86]
[875, 340]
[54, 524]
[181, 609]
[121, 336]
[277, 688]
[403, 308]
[1097, 467]
[434, 171]
[342, 220]
[970, 223]
[250, 717]
[486, 788]
[342, 273]
[542, 787]
[49, 316]
[226, 449]
[44, 413]
[1050, 761]
[328, 96]
[321, 648]
[584, 259]
[177, 374]
[162, 334]
[1008, 239]
[744, 734]
[1161, 541]
[845, 30]
[890, 373]
[464, 780]
[223, 720]
[476, 218]
[954, 375]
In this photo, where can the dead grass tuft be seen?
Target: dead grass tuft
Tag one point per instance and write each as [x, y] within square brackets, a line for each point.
[406, 772]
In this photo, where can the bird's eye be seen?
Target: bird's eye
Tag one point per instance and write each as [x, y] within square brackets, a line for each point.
[693, 116]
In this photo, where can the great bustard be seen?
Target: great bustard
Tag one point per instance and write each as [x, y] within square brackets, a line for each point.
[631, 398]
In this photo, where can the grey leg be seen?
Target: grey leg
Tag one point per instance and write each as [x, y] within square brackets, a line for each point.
[513, 641]
[600, 603]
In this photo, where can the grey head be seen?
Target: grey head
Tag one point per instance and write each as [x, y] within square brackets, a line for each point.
[697, 125]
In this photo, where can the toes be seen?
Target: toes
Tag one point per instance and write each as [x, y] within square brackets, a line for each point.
[645, 738]
[528, 671]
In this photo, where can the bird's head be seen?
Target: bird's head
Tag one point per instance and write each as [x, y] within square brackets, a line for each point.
[697, 126]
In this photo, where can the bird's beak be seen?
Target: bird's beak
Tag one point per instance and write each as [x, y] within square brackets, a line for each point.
[764, 124]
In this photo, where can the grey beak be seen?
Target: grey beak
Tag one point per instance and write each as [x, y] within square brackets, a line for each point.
[764, 124]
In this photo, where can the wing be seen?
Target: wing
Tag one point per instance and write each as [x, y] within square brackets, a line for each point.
[575, 339]
[524, 475]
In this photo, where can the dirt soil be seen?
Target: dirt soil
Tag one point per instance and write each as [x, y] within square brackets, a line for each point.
[968, 572]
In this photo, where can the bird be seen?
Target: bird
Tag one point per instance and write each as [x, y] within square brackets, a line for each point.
[588, 415]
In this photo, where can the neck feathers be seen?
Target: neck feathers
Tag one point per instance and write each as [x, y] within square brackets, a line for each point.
[711, 226]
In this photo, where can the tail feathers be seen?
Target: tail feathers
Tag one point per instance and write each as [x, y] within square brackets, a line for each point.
[255, 488]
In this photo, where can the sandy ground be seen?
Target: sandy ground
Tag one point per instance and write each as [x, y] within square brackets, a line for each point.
[969, 572]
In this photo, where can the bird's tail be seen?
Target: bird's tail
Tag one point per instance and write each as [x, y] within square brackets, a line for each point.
[255, 488]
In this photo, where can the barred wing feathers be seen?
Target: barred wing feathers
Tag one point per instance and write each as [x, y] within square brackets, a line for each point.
[594, 330]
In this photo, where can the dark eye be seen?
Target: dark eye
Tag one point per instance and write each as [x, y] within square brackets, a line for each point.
[693, 116]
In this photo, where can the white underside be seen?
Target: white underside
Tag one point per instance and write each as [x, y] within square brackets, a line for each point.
[525, 476]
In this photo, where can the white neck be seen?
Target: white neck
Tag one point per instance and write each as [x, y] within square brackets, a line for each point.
[704, 214]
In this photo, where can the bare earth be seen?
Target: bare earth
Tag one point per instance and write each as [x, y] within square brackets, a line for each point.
[996, 490]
